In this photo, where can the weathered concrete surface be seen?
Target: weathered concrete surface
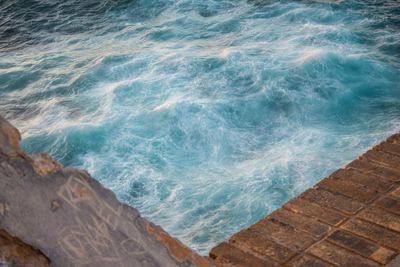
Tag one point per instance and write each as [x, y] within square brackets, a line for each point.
[351, 218]
[71, 219]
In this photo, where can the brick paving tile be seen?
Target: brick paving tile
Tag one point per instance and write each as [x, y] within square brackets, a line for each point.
[259, 243]
[300, 222]
[284, 234]
[349, 189]
[331, 200]
[362, 246]
[388, 148]
[339, 256]
[371, 231]
[390, 204]
[308, 261]
[228, 255]
[381, 217]
[357, 177]
[369, 167]
[305, 207]
[383, 158]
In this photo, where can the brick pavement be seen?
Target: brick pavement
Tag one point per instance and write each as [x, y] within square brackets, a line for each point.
[351, 218]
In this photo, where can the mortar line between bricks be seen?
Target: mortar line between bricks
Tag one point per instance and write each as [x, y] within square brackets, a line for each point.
[243, 248]
[335, 228]
[373, 174]
[332, 212]
[354, 215]
[303, 254]
[355, 252]
[381, 164]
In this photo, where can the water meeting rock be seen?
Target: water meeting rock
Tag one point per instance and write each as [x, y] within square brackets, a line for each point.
[51, 215]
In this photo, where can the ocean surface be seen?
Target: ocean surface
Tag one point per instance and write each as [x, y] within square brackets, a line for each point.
[203, 114]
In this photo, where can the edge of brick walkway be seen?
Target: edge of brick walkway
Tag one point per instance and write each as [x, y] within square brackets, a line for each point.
[350, 218]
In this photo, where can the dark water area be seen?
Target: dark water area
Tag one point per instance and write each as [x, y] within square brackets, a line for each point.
[204, 115]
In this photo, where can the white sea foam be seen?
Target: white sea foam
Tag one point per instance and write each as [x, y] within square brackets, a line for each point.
[168, 103]
[310, 54]
[205, 115]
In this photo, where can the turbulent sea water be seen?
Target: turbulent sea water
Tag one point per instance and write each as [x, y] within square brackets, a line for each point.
[204, 114]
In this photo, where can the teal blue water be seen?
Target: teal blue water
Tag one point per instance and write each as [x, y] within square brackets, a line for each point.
[204, 115]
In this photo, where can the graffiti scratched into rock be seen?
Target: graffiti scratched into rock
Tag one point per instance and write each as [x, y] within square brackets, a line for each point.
[90, 238]
[4, 209]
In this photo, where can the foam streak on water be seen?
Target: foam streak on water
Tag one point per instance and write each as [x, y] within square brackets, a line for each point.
[205, 115]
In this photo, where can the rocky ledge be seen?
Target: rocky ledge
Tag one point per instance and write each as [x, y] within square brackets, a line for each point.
[51, 215]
